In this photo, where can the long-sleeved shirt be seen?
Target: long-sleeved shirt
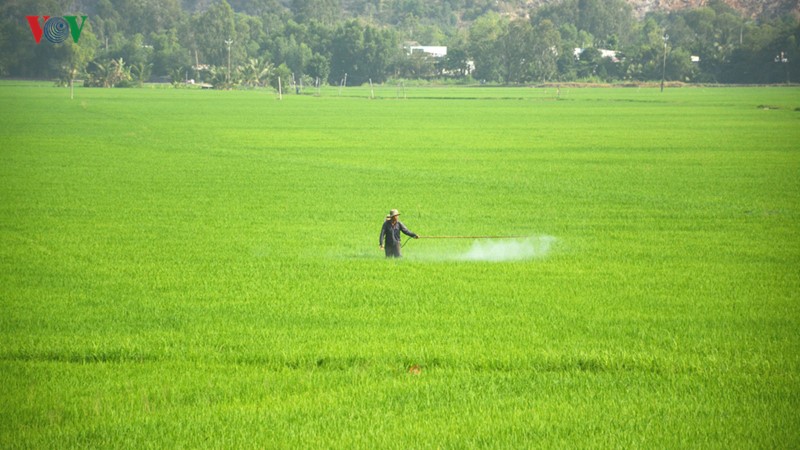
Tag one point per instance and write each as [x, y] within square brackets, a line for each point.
[392, 231]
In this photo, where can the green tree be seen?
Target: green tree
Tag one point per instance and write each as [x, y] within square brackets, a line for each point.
[105, 23]
[134, 51]
[255, 72]
[483, 36]
[515, 47]
[249, 37]
[210, 31]
[607, 20]
[679, 66]
[140, 72]
[177, 76]
[769, 54]
[324, 11]
[455, 63]
[73, 58]
[588, 62]
[297, 56]
[363, 52]
[20, 56]
[318, 67]
[142, 16]
[546, 45]
[108, 74]
[646, 53]
[418, 65]
[168, 53]
[283, 75]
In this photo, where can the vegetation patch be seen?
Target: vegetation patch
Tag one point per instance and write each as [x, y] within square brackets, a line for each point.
[184, 268]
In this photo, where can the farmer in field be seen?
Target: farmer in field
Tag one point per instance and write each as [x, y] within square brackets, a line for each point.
[391, 232]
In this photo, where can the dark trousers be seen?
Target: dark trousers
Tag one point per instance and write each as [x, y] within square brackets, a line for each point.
[392, 251]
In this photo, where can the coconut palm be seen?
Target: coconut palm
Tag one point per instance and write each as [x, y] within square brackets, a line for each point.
[255, 72]
[141, 72]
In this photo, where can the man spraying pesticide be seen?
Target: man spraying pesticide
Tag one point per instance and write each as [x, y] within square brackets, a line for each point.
[392, 227]
[391, 233]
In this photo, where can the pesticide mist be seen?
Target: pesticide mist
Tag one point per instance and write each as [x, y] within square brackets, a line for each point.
[509, 250]
[494, 250]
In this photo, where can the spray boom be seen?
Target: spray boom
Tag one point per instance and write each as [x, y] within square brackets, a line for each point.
[472, 237]
[466, 237]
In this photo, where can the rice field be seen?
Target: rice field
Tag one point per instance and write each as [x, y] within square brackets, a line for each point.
[200, 269]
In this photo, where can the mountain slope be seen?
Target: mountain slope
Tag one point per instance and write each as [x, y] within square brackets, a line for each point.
[747, 8]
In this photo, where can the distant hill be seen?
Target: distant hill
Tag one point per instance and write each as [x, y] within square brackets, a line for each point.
[748, 8]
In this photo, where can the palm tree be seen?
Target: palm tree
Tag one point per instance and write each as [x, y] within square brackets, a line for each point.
[100, 75]
[255, 72]
[116, 72]
[141, 72]
[176, 76]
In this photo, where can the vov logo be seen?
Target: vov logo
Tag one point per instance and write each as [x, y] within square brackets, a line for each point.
[55, 29]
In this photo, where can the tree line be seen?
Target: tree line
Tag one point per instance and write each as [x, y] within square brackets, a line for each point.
[250, 43]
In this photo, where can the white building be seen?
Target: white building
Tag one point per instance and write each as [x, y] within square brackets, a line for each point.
[431, 50]
[603, 54]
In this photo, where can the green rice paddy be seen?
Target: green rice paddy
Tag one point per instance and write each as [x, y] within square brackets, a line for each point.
[200, 269]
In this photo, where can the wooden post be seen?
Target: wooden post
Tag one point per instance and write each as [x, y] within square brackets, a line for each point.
[343, 84]
[280, 94]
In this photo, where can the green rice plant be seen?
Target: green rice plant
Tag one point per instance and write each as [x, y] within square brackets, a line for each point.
[185, 268]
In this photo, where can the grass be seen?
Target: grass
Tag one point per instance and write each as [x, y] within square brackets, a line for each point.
[184, 268]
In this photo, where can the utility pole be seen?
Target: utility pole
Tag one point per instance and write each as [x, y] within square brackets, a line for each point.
[785, 61]
[664, 62]
[228, 42]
